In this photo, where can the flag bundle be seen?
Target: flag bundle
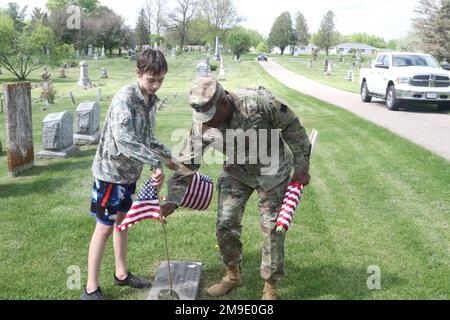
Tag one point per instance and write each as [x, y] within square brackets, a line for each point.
[290, 203]
[199, 193]
[146, 206]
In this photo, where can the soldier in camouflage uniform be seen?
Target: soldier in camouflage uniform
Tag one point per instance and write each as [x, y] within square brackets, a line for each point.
[127, 143]
[245, 109]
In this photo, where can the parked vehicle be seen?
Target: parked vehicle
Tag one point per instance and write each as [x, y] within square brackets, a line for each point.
[262, 57]
[400, 76]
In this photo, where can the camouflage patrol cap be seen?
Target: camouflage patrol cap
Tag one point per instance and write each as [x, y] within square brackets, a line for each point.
[203, 97]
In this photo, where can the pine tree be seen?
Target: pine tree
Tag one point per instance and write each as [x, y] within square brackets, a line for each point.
[142, 32]
[327, 36]
[301, 28]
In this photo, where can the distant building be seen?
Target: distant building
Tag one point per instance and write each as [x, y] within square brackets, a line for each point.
[305, 49]
[349, 47]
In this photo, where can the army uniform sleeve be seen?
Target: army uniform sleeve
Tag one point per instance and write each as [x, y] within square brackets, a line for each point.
[128, 142]
[292, 131]
[190, 157]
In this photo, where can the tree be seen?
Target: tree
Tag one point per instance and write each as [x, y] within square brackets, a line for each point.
[142, 31]
[21, 53]
[200, 32]
[158, 15]
[282, 34]
[255, 37]
[368, 39]
[327, 36]
[432, 26]
[39, 16]
[221, 15]
[301, 29]
[238, 41]
[87, 6]
[262, 48]
[182, 17]
[17, 15]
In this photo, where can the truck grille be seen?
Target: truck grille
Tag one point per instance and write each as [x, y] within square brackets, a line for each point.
[430, 81]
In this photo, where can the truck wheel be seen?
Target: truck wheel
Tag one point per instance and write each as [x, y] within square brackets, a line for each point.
[365, 97]
[392, 102]
[443, 106]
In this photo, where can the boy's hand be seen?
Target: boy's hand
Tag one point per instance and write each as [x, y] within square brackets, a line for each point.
[302, 178]
[158, 178]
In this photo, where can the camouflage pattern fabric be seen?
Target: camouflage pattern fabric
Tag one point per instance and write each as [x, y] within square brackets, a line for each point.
[128, 138]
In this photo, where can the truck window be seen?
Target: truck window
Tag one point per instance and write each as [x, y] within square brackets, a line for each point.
[386, 61]
[380, 59]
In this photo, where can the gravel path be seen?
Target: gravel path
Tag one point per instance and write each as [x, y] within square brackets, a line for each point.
[427, 128]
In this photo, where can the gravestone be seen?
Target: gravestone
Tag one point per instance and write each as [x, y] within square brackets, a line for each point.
[201, 70]
[221, 70]
[328, 69]
[133, 56]
[217, 50]
[174, 53]
[19, 127]
[103, 52]
[84, 81]
[350, 76]
[77, 54]
[46, 86]
[90, 52]
[310, 63]
[57, 136]
[62, 74]
[104, 73]
[87, 130]
[185, 280]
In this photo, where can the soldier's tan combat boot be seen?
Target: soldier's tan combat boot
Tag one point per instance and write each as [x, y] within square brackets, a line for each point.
[231, 280]
[270, 291]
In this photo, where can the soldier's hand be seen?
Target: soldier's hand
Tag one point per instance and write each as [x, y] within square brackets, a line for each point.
[166, 210]
[302, 178]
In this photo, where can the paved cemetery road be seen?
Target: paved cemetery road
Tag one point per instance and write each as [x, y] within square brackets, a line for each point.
[427, 128]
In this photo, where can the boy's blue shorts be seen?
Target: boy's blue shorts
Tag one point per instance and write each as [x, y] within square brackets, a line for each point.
[110, 198]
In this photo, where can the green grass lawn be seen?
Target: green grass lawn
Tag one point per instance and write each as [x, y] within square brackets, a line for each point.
[337, 78]
[375, 199]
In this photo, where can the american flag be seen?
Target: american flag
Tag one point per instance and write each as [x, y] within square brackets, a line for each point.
[290, 203]
[199, 193]
[146, 206]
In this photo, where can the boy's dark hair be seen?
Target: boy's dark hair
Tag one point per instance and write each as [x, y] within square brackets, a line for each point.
[152, 61]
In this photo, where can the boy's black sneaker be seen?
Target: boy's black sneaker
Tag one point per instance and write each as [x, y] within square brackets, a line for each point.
[96, 295]
[133, 281]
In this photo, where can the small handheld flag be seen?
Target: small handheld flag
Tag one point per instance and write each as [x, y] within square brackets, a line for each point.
[293, 196]
[146, 206]
[199, 193]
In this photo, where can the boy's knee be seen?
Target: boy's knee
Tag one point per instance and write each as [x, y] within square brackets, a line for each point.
[104, 230]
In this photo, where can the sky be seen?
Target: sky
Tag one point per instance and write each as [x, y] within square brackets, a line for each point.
[390, 19]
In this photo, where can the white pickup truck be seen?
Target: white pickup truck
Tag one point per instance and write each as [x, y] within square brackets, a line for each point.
[399, 76]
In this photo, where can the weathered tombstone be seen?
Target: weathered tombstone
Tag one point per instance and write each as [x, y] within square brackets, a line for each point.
[87, 130]
[350, 76]
[72, 98]
[57, 136]
[90, 52]
[46, 87]
[62, 74]
[104, 73]
[133, 56]
[221, 70]
[217, 50]
[84, 76]
[103, 52]
[129, 53]
[185, 281]
[201, 70]
[19, 127]
[328, 69]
